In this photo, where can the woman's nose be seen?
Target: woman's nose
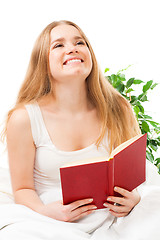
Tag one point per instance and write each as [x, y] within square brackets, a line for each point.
[71, 49]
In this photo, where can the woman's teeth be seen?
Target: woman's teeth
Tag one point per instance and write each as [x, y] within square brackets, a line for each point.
[72, 61]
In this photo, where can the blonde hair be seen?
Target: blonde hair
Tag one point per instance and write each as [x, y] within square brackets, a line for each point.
[114, 110]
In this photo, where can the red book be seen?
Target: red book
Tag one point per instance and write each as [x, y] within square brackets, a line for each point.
[95, 178]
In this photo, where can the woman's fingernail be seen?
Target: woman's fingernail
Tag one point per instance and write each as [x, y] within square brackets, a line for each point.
[91, 200]
[115, 188]
[108, 199]
[94, 207]
[105, 204]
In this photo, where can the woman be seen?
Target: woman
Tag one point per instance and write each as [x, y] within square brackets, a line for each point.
[66, 110]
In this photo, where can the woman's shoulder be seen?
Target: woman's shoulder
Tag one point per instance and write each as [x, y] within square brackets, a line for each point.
[19, 129]
[19, 119]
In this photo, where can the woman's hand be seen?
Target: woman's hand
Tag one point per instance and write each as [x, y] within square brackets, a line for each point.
[122, 205]
[70, 212]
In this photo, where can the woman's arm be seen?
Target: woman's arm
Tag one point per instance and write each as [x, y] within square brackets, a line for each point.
[21, 153]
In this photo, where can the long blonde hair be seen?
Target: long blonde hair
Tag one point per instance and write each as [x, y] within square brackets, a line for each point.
[114, 110]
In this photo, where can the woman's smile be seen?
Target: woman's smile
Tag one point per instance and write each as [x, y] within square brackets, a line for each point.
[73, 61]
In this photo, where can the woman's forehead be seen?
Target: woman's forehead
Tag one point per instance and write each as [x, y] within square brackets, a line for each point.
[64, 31]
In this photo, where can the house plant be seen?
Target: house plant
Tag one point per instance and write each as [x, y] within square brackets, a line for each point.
[147, 125]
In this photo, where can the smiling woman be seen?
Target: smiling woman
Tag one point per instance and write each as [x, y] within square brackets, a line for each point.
[69, 56]
[67, 111]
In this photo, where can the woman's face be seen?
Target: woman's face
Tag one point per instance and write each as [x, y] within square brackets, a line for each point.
[69, 56]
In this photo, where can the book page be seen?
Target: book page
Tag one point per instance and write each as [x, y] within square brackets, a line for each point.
[86, 161]
[124, 145]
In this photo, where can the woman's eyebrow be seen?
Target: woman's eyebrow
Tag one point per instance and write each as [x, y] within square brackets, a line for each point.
[57, 40]
[63, 39]
[78, 37]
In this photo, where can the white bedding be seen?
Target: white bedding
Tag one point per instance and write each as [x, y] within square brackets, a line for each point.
[5, 187]
[18, 222]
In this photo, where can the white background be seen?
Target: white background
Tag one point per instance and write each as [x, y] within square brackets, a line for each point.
[121, 32]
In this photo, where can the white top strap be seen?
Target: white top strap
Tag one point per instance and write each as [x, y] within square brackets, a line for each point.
[37, 124]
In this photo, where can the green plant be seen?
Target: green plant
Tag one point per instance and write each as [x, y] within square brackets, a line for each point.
[146, 123]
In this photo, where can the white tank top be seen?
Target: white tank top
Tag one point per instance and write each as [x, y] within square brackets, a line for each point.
[48, 159]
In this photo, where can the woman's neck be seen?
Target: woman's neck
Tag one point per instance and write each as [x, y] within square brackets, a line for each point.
[71, 99]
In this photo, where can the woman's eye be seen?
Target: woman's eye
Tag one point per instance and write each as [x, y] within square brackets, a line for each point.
[80, 43]
[58, 45]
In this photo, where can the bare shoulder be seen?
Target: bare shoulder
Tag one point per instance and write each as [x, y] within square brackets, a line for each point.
[19, 117]
[19, 122]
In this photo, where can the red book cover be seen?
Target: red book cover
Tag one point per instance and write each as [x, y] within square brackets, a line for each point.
[96, 178]
[130, 165]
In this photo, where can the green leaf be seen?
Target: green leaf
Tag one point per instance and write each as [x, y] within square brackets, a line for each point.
[154, 85]
[158, 132]
[133, 99]
[147, 86]
[142, 97]
[120, 87]
[154, 124]
[157, 161]
[113, 79]
[129, 90]
[121, 77]
[146, 116]
[129, 82]
[117, 83]
[153, 147]
[150, 149]
[137, 81]
[140, 106]
[158, 142]
[108, 78]
[158, 166]
[145, 126]
[150, 156]
[136, 110]
[106, 70]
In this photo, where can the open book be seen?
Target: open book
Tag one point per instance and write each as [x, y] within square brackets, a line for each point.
[95, 178]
